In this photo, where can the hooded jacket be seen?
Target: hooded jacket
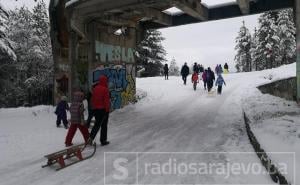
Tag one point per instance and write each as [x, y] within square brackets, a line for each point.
[100, 95]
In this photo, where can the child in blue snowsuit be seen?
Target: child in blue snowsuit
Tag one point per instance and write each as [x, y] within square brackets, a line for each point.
[61, 112]
[219, 82]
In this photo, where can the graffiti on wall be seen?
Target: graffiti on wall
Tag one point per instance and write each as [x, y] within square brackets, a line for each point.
[121, 83]
[111, 53]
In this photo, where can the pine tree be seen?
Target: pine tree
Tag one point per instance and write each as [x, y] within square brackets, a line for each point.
[253, 51]
[173, 69]
[151, 53]
[30, 34]
[268, 42]
[7, 60]
[286, 33]
[243, 46]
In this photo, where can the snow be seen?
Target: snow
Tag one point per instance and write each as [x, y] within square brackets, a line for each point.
[70, 2]
[170, 117]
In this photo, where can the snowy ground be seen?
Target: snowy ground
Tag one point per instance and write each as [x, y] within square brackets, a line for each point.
[172, 118]
[275, 121]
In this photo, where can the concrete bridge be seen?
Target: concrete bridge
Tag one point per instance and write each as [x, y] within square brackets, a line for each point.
[94, 37]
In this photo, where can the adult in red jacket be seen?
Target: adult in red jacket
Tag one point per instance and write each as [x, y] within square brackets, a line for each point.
[101, 107]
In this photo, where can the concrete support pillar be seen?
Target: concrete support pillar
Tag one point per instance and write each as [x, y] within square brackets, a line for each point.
[297, 19]
[72, 61]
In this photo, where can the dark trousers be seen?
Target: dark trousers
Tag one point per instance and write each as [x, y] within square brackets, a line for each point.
[63, 119]
[72, 130]
[219, 89]
[210, 84]
[205, 83]
[89, 119]
[101, 121]
[184, 79]
[166, 76]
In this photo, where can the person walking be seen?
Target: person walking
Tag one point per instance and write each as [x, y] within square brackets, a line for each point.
[195, 80]
[166, 71]
[210, 77]
[196, 68]
[226, 68]
[101, 108]
[220, 69]
[90, 107]
[219, 82]
[61, 112]
[204, 78]
[185, 71]
[77, 119]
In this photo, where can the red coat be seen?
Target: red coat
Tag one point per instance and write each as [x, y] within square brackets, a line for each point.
[100, 95]
[195, 77]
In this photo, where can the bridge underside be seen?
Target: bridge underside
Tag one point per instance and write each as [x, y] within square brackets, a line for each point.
[94, 37]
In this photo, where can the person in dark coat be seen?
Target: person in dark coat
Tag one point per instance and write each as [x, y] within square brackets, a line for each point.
[101, 108]
[210, 77]
[166, 71]
[90, 108]
[185, 71]
[201, 69]
[226, 68]
[61, 112]
[204, 78]
[77, 119]
[196, 68]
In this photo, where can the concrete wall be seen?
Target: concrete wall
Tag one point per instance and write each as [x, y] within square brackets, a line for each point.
[113, 56]
[286, 88]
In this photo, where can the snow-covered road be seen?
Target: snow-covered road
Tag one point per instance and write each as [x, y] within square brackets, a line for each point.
[173, 118]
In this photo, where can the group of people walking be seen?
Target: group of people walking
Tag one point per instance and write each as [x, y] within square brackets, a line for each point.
[99, 107]
[207, 75]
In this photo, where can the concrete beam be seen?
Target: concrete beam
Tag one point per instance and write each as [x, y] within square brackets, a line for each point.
[244, 6]
[116, 21]
[297, 17]
[193, 8]
[157, 16]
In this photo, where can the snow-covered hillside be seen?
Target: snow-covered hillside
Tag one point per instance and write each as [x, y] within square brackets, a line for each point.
[172, 120]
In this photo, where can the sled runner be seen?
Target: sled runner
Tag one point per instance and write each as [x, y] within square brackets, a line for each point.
[81, 152]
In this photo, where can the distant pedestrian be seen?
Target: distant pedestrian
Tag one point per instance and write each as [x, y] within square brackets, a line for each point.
[61, 112]
[196, 68]
[219, 82]
[201, 68]
[226, 68]
[204, 78]
[195, 80]
[220, 69]
[166, 71]
[77, 119]
[210, 77]
[101, 108]
[185, 71]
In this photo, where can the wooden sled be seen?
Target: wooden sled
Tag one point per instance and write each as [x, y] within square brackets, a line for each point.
[61, 156]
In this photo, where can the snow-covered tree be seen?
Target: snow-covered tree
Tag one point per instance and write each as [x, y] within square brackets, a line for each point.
[286, 33]
[151, 53]
[243, 46]
[7, 59]
[268, 52]
[253, 51]
[29, 32]
[173, 69]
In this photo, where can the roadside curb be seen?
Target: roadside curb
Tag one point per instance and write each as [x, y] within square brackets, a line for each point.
[273, 171]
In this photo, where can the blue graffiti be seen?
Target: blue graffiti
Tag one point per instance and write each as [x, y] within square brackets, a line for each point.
[117, 84]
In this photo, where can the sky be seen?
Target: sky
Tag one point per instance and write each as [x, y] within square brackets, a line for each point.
[207, 43]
